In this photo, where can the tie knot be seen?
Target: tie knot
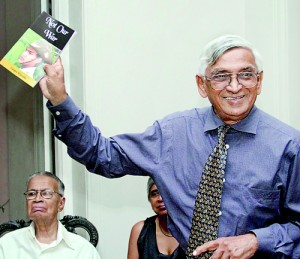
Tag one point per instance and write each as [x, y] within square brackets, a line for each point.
[222, 130]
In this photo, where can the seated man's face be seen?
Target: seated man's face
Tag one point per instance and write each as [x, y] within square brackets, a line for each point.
[40, 208]
[30, 56]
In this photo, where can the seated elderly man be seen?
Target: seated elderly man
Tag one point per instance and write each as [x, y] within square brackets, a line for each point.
[46, 237]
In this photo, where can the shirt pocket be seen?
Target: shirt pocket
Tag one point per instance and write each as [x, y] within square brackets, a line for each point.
[263, 205]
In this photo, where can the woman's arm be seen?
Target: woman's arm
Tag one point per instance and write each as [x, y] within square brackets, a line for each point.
[133, 252]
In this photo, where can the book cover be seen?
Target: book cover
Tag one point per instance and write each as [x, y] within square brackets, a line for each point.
[42, 43]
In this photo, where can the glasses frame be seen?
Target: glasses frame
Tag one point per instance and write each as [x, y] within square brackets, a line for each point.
[40, 192]
[257, 74]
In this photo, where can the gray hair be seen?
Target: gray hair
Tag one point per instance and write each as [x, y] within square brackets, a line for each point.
[60, 184]
[149, 185]
[217, 47]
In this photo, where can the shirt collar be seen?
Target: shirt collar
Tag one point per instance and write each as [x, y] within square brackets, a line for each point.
[248, 124]
[31, 229]
[62, 234]
[66, 236]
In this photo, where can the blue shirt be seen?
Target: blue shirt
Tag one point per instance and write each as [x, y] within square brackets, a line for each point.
[261, 191]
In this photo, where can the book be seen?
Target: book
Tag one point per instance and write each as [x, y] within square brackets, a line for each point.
[42, 43]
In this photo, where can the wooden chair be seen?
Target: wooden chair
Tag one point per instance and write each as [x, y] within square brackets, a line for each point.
[74, 224]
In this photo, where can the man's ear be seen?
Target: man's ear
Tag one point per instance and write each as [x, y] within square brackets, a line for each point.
[61, 204]
[259, 83]
[201, 86]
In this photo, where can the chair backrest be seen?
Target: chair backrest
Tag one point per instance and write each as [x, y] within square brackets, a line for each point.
[74, 224]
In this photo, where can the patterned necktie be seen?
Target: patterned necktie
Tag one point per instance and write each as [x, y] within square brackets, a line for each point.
[208, 200]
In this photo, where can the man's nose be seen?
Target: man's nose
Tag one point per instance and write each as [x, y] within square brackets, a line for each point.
[234, 85]
[38, 196]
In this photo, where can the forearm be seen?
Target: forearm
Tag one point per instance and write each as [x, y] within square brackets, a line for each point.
[85, 142]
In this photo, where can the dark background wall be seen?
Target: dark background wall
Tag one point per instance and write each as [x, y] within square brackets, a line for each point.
[21, 127]
[3, 125]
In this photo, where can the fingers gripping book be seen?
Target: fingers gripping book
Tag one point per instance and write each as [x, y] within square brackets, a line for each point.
[41, 44]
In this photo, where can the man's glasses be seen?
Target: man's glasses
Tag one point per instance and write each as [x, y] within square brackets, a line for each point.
[222, 80]
[46, 194]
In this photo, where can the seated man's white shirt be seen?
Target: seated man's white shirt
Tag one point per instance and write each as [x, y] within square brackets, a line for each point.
[22, 244]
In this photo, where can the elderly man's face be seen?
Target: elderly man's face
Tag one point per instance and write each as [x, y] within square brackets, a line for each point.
[29, 56]
[234, 102]
[41, 209]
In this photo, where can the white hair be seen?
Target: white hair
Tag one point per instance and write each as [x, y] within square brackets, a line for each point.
[217, 47]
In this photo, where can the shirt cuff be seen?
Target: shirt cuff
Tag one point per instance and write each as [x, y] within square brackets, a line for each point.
[265, 240]
[64, 111]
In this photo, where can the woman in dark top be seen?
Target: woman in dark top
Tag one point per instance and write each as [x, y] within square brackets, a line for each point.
[150, 238]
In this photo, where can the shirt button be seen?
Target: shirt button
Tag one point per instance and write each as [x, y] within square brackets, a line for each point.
[57, 113]
[220, 213]
[224, 180]
[227, 146]
[59, 136]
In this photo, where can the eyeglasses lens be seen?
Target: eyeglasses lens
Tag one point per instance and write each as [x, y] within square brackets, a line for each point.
[246, 79]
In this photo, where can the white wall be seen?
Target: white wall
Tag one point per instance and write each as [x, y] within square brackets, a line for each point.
[134, 61]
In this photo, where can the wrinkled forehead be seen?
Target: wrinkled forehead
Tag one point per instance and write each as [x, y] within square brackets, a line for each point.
[42, 182]
[234, 60]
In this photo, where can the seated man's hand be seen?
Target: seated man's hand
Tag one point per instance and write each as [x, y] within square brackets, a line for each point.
[237, 247]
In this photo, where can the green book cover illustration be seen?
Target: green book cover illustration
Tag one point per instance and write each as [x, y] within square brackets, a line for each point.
[42, 43]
